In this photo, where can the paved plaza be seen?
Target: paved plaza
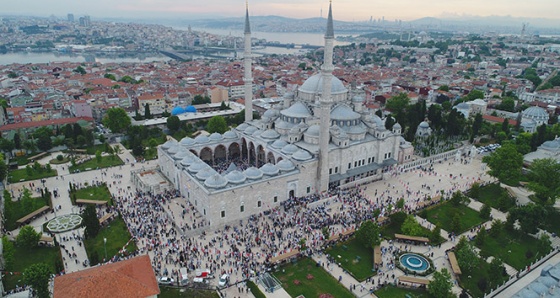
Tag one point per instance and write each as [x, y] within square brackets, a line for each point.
[169, 230]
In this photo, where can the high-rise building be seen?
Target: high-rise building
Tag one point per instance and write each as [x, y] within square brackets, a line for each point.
[85, 21]
[70, 17]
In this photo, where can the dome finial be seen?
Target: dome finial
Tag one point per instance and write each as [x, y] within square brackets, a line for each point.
[330, 30]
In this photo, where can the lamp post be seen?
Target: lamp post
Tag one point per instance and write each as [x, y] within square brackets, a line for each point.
[105, 246]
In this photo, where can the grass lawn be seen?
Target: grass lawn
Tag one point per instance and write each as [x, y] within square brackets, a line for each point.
[496, 197]
[92, 164]
[98, 193]
[389, 230]
[322, 282]
[21, 175]
[469, 280]
[150, 154]
[511, 247]
[391, 291]
[19, 212]
[348, 252]
[442, 215]
[170, 292]
[24, 258]
[552, 220]
[117, 236]
[55, 161]
[91, 150]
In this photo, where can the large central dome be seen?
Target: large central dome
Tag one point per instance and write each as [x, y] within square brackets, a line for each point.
[314, 85]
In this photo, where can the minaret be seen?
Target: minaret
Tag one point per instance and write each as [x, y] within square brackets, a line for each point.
[325, 106]
[248, 79]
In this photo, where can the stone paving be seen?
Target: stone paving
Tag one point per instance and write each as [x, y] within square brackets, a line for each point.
[414, 186]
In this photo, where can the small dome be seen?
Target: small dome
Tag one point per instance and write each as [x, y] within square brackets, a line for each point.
[242, 126]
[190, 109]
[344, 112]
[463, 106]
[205, 173]
[397, 126]
[285, 165]
[281, 124]
[313, 130]
[356, 129]
[177, 110]
[314, 85]
[181, 154]
[197, 166]
[201, 139]
[230, 134]
[297, 110]
[188, 160]
[257, 133]
[215, 137]
[250, 130]
[554, 144]
[235, 177]
[289, 149]
[535, 112]
[167, 144]
[279, 144]
[378, 121]
[186, 141]
[301, 155]
[270, 134]
[269, 169]
[271, 113]
[173, 149]
[253, 173]
[216, 181]
[424, 124]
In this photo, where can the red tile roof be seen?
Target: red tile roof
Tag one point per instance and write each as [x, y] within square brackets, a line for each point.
[130, 278]
[60, 121]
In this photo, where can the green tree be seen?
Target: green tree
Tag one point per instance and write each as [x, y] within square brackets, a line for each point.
[440, 285]
[173, 123]
[530, 217]
[3, 168]
[435, 234]
[98, 156]
[91, 222]
[497, 228]
[467, 258]
[474, 94]
[505, 164]
[507, 104]
[27, 237]
[44, 143]
[110, 76]
[496, 271]
[37, 276]
[456, 223]
[481, 236]
[147, 113]
[411, 227]
[397, 104]
[8, 251]
[444, 88]
[474, 192]
[458, 199]
[217, 124]
[80, 70]
[117, 120]
[17, 141]
[544, 179]
[485, 211]
[368, 234]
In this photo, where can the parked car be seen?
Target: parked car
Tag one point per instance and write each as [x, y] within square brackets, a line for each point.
[164, 280]
[200, 280]
[204, 273]
[224, 280]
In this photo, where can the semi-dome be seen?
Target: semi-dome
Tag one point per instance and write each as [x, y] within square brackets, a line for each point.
[270, 134]
[314, 85]
[229, 135]
[177, 110]
[250, 130]
[344, 112]
[201, 139]
[186, 141]
[242, 126]
[197, 166]
[279, 144]
[181, 154]
[235, 177]
[355, 129]
[285, 165]
[257, 133]
[188, 160]
[205, 173]
[289, 149]
[301, 155]
[173, 149]
[271, 113]
[297, 110]
[269, 169]
[167, 144]
[551, 145]
[313, 130]
[190, 109]
[215, 137]
[534, 112]
[253, 173]
[216, 181]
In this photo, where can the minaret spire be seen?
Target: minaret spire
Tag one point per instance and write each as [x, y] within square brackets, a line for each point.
[248, 79]
[326, 101]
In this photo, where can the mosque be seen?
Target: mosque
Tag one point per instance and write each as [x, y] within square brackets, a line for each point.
[321, 136]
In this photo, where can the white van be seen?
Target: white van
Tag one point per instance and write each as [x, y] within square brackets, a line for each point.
[183, 275]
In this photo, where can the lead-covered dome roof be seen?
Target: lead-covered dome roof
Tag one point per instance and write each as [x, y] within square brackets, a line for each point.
[301, 155]
[535, 112]
[235, 177]
[285, 165]
[216, 181]
[269, 169]
[343, 112]
[253, 173]
[314, 85]
[229, 135]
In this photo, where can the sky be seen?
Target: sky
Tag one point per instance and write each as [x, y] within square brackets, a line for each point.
[344, 10]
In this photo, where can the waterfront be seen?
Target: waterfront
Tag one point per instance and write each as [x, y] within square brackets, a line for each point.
[47, 57]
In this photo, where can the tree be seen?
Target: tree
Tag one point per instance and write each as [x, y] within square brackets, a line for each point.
[116, 120]
[80, 70]
[44, 143]
[531, 217]
[17, 141]
[485, 211]
[217, 124]
[467, 258]
[496, 270]
[8, 251]
[173, 123]
[456, 223]
[477, 124]
[441, 285]
[27, 237]
[91, 222]
[37, 276]
[507, 104]
[458, 198]
[389, 121]
[110, 76]
[505, 164]
[544, 179]
[368, 234]
[481, 236]
[435, 234]
[98, 156]
[147, 113]
[411, 227]
[444, 88]
[3, 168]
[397, 104]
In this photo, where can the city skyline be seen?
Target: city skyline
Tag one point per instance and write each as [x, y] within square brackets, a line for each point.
[345, 10]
